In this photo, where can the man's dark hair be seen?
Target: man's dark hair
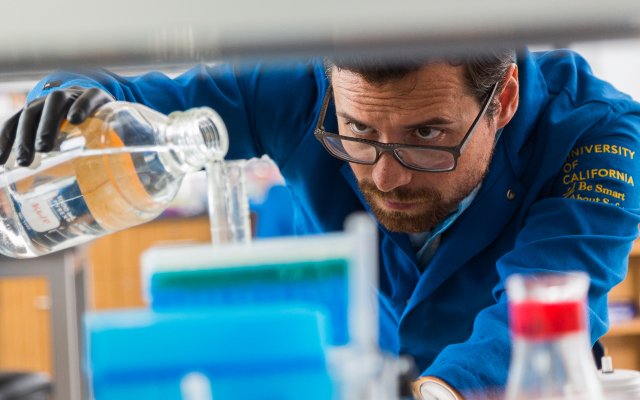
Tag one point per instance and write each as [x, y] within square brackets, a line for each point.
[481, 70]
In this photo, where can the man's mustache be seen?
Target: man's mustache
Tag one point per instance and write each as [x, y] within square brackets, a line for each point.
[400, 194]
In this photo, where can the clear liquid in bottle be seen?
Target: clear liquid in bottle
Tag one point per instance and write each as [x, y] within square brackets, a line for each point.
[119, 168]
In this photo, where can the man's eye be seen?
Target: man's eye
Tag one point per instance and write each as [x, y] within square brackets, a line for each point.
[428, 133]
[360, 128]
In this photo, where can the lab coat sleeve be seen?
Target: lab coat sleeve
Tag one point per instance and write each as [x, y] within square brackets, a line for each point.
[267, 108]
[588, 222]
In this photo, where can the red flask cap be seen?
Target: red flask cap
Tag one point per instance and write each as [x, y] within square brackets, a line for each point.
[536, 320]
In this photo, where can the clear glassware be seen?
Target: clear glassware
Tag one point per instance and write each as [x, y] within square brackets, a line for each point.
[551, 349]
[119, 168]
[228, 202]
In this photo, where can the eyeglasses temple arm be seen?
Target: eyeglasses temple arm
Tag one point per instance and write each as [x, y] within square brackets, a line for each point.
[475, 124]
[323, 109]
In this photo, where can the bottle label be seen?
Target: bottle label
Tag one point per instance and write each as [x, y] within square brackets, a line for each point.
[39, 215]
[544, 321]
[53, 220]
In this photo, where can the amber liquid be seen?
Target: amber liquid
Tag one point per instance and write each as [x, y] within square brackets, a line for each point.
[111, 185]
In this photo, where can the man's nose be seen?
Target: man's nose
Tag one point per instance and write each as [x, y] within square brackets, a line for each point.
[389, 174]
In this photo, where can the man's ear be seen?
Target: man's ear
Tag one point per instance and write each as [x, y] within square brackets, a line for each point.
[509, 97]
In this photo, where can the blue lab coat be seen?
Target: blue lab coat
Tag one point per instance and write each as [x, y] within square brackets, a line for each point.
[568, 155]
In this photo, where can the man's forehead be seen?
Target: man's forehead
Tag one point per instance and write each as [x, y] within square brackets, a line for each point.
[435, 83]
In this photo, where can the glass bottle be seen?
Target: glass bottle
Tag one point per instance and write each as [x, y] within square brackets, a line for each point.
[121, 167]
[551, 348]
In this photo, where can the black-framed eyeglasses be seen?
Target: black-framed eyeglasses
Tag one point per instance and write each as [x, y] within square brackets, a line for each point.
[414, 157]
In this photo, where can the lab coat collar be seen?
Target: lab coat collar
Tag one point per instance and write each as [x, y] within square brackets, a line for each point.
[475, 229]
[533, 99]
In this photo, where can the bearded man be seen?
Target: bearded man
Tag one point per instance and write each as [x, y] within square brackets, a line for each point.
[474, 167]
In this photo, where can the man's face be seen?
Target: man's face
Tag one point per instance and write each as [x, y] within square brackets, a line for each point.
[429, 107]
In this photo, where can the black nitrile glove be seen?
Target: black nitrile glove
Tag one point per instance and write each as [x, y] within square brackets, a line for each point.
[36, 126]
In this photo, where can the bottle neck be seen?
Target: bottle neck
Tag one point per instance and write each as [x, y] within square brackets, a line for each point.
[538, 320]
[195, 138]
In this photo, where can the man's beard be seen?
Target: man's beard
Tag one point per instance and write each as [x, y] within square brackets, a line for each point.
[437, 207]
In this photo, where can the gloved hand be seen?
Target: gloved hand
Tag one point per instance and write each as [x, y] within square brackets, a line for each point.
[36, 126]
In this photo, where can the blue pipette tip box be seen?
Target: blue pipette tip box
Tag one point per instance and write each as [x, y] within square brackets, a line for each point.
[144, 354]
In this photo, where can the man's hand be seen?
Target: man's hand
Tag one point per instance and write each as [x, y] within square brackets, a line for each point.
[36, 126]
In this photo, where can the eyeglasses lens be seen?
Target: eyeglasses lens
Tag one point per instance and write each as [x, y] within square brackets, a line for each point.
[433, 160]
[427, 159]
[350, 151]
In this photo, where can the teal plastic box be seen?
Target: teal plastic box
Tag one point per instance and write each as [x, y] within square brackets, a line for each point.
[245, 353]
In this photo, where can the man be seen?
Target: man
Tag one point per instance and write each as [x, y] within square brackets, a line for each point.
[475, 168]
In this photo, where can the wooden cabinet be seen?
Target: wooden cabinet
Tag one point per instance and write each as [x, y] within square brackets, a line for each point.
[115, 259]
[113, 282]
[25, 327]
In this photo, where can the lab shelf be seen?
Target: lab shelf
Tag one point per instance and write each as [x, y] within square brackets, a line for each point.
[635, 250]
[625, 328]
[146, 34]
[623, 339]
